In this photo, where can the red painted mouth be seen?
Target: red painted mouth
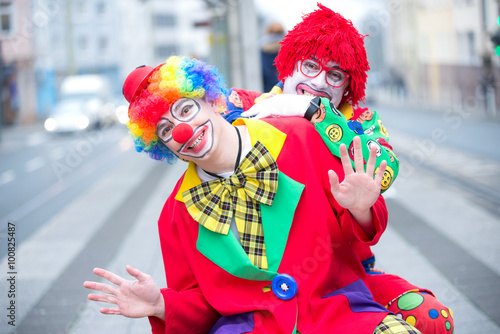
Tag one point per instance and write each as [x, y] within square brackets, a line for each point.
[303, 89]
[200, 143]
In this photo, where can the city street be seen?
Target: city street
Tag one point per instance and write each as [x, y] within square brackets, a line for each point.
[75, 202]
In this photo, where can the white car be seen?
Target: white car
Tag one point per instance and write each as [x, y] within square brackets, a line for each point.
[75, 114]
[85, 102]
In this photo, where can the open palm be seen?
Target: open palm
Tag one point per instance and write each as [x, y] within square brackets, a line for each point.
[360, 189]
[134, 299]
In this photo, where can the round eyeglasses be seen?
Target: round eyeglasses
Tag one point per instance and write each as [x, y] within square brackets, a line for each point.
[334, 77]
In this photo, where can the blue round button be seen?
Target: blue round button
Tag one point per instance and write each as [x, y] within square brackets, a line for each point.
[356, 127]
[284, 286]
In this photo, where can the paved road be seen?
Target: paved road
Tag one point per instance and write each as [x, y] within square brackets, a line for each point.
[440, 235]
[41, 173]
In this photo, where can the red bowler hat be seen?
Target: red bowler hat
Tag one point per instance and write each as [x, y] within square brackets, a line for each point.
[136, 81]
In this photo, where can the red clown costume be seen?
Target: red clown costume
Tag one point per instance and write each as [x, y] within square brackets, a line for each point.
[310, 249]
[300, 272]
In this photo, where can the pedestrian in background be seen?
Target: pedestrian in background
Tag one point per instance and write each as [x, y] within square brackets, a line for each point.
[269, 47]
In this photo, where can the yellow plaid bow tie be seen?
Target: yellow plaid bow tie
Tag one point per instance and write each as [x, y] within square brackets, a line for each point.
[213, 204]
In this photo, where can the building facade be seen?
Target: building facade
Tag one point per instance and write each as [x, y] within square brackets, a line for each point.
[43, 41]
[153, 30]
[443, 52]
[17, 77]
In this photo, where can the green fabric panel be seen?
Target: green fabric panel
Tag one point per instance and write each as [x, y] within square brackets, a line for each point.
[277, 219]
[334, 131]
[375, 128]
[226, 252]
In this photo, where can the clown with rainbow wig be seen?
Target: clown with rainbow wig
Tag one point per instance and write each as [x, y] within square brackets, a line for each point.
[179, 77]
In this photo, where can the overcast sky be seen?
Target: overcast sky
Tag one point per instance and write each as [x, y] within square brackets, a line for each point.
[289, 12]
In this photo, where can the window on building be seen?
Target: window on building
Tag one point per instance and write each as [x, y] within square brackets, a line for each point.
[462, 47]
[55, 40]
[101, 8]
[83, 44]
[103, 45]
[81, 8]
[471, 46]
[6, 18]
[165, 20]
[166, 50]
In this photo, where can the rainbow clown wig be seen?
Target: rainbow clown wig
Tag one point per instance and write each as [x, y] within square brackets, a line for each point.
[328, 36]
[150, 93]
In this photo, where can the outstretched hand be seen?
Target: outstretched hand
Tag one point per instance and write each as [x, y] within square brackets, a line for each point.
[135, 299]
[360, 189]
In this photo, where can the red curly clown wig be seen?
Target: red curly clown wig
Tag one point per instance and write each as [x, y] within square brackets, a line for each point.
[167, 83]
[327, 36]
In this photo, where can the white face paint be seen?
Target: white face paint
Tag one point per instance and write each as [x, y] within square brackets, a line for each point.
[202, 117]
[299, 84]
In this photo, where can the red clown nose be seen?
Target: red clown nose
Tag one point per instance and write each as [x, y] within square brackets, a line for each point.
[182, 132]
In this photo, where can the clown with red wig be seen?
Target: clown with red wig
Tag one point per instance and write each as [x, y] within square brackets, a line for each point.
[323, 57]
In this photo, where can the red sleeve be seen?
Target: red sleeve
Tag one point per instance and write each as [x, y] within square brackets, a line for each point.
[247, 97]
[185, 312]
[351, 227]
[186, 309]
[363, 251]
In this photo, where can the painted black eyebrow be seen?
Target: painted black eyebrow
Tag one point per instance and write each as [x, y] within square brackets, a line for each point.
[179, 103]
[163, 123]
[163, 118]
